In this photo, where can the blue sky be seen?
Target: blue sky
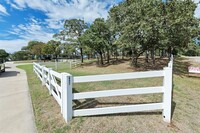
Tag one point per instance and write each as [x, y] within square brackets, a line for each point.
[25, 20]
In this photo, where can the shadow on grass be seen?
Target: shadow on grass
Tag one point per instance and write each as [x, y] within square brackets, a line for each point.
[181, 67]
[92, 103]
[173, 108]
[106, 64]
[144, 66]
[195, 76]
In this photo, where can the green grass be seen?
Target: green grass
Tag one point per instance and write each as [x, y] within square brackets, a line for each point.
[24, 61]
[43, 104]
[186, 104]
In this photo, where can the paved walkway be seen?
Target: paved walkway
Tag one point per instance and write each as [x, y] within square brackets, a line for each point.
[16, 112]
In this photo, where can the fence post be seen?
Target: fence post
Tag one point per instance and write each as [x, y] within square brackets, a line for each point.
[49, 76]
[66, 96]
[33, 66]
[167, 96]
[43, 78]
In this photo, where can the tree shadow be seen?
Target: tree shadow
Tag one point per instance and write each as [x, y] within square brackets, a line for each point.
[92, 103]
[173, 108]
[144, 66]
[195, 76]
[9, 74]
[106, 64]
[180, 66]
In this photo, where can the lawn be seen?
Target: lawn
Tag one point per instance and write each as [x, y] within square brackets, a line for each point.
[24, 61]
[186, 104]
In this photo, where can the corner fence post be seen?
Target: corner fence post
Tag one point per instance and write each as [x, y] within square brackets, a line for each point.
[66, 96]
[43, 78]
[49, 78]
[167, 95]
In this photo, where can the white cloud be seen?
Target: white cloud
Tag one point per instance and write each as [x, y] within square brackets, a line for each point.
[3, 10]
[12, 45]
[54, 24]
[57, 10]
[34, 30]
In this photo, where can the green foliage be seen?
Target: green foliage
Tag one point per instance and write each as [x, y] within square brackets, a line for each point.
[35, 48]
[52, 48]
[193, 50]
[75, 27]
[133, 28]
[21, 55]
[3, 54]
[73, 30]
[97, 37]
[149, 25]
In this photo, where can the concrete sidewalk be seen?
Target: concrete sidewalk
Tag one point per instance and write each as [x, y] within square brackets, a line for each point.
[16, 112]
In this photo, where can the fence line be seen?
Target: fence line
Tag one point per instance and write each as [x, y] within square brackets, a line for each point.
[60, 87]
[121, 76]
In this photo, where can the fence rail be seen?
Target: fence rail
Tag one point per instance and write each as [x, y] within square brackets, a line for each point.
[121, 76]
[60, 87]
[118, 92]
[118, 109]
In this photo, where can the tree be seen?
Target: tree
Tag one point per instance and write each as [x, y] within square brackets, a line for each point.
[54, 46]
[180, 25]
[48, 49]
[73, 29]
[136, 19]
[69, 50]
[21, 55]
[97, 37]
[35, 48]
[3, 54]
[149, 25]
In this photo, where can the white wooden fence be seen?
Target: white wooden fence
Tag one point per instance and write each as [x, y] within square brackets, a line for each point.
[74, 63]
[60, 86]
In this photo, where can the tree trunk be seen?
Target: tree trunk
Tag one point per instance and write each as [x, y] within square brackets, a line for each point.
[135, 61]
[101, 58]
[104, 56]
[108, 56]
[122, 54]
[81, 50]
[169, 52]
[116, 55]
[98, 60]
[153, 56]
[162, 53]
[134, 58]
[147, 56]
[159, 52]
[88, 56]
